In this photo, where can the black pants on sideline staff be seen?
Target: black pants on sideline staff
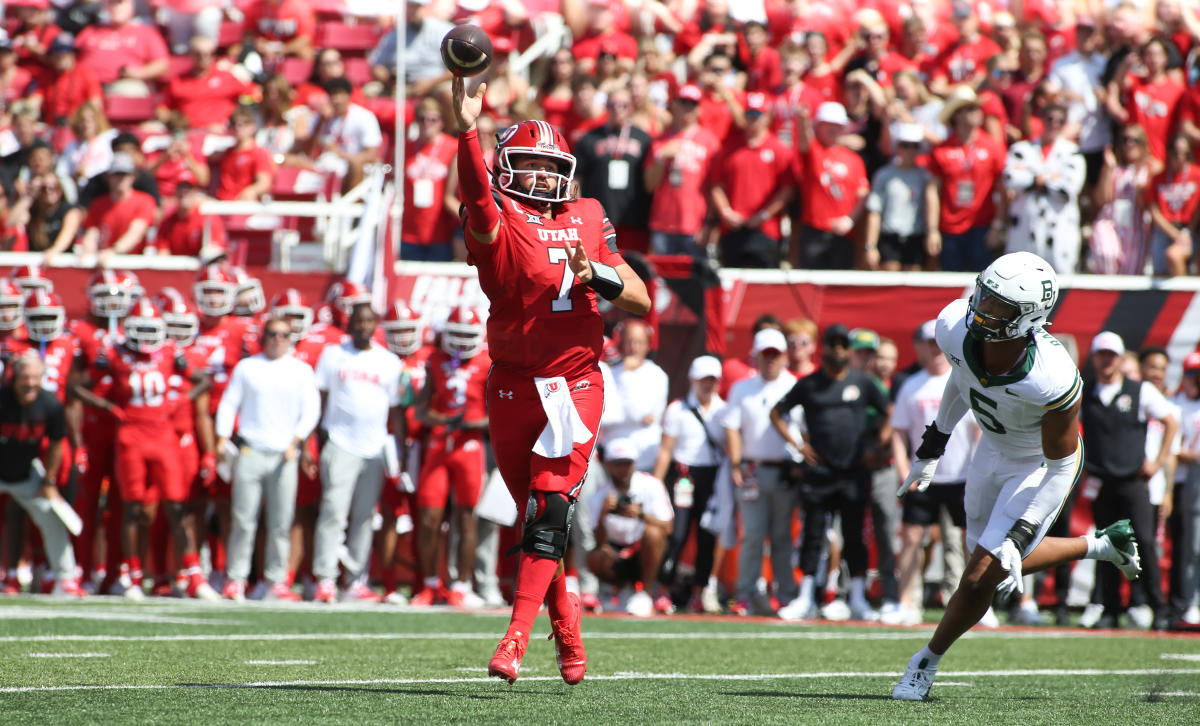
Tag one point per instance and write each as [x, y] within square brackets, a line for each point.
[1119, 499]
[1181, 527]
[822, 494]
[703, 480]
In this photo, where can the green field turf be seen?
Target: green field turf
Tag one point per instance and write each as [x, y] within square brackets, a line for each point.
[165, 661]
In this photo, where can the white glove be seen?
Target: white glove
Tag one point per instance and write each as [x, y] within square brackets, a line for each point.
[1010, 559]
[922, 473]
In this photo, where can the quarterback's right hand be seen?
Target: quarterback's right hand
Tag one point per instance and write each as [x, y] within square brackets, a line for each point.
[467, 108]
[919, 477]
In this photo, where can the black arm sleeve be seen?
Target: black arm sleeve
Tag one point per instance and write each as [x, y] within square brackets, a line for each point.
[933, 443]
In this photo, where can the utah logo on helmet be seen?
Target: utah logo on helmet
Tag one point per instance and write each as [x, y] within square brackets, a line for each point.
[45, 317]
[540, 140]
[462, 334]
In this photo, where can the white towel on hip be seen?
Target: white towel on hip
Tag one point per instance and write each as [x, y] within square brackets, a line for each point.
[564, 428]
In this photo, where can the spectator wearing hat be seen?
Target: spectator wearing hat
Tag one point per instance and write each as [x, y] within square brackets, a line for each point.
[834, 187]
[677, 174]
[116, 223]
[692, 448]
[609, 160]
[1080, 73]
[633, 521]
[965, 168]
[759, 464]
[206, 94]
[1114, 414]
[280, 28]
[73, 84]
[964, 62]
[430, 189]
[902, 208]
[836, 440]
[244, 172]
[753, 182]
[1044, 178]
[346, 137]
[641, 385]
[182, 231]
[1181, 517]
[1173, 197]
[126, 54]
[143, 179]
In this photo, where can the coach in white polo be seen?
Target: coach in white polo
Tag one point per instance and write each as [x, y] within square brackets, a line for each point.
[362, 385]
[273, 397]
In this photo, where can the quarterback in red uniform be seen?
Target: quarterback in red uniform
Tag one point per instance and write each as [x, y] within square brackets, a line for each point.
[543, 256]
[147, 449]
[453, 405]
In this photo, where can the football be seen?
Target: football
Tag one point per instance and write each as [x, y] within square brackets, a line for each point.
[467, 50]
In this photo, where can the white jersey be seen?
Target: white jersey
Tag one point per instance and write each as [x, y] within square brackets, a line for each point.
[917, 404]
[361, 386]
[1009, 407]
[1157, 485]
[644, 490]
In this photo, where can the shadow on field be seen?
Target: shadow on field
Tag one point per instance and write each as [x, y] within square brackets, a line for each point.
[792, 694]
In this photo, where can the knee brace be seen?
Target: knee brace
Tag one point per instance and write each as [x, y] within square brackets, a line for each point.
[547, 524]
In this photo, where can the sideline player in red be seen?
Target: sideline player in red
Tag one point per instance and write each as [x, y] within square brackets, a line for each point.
[453, 405]
[543, 257]
[147, 450]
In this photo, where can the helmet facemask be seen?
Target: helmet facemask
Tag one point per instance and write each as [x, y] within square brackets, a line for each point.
[145, 335]
[994, 317]
[509, 177]
[45, 324]
[111, 302]
[182, 327]
[215, 298]
[403, 336]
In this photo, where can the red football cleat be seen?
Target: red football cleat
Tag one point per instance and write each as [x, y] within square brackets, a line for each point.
[506, 663]
[423, 599]
[568, 644]
[326, 592]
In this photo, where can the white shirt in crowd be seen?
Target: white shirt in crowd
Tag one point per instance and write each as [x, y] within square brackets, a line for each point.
[916, 407]
[272, 401]
[362, 385]
[749, 411]
[614, 410]
[642, 392]
[1189, 430]
[644, 490]
[1157, 484]
[357, 130]
[692, 445]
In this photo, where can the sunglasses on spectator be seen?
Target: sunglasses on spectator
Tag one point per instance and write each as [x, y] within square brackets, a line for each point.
[276, 334]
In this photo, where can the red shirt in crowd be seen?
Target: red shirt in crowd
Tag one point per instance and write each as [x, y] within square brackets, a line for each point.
[426, 219]
[106, 50]
[784, 110]
[183, 233]
[962, 61]
[282, 20]
[25, 39]
[205, 100]
[832, 179]
[19, 84]
[1176, 195]
[1155, 106]
[750, 176]
[113, 217]
[764, 72]
[622, 45]
[967, 172]
[70, 91]
[715, 114]
[238, 169]
[680, 201]
[826, 18]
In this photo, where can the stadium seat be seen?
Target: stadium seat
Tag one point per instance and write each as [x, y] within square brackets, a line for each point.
[229, 34]
[346, 37]
[358, 70]
[329, 9]
[129, 110]
[296, 70]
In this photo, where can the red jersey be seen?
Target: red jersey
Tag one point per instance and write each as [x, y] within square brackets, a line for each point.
[458, 387]
[962, 61]
[319, 335]
[238, 168]
[831, 181]
[622, 45]
[139, 382]
[715, 114]
[205, 100]
[1176, 195]
[415, 366]
[183, 413]
[1155, 106]
[107, 49]
[183, 233]
[967, 172]
[282, 20]
[764, 72]
[68, 92]
[114, 216]
[426, 219]
[221, 347]
[680, 202]
[58, 356]
[785, 118]
[542, 321]
[750, 176]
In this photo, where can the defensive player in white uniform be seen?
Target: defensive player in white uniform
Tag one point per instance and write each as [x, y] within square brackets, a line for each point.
[1025, 392]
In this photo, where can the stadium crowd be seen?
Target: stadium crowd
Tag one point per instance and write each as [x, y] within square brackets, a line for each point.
[848, 134]
[360, 441]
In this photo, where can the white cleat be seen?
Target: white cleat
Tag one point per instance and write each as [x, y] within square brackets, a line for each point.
[1142, 616]
[395, 598]
[640, 604]
[134, 593]
[836, 610]
[989, 619]
[915, 684]
[1091, 615]
[1192, 616]
[799, 609]
[860, 609]
[205, 591]
[1028, 614]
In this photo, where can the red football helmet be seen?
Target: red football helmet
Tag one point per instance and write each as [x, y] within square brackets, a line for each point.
[249, 300]
[144, 327]
[534, 139]
[289, 305]
[45, 317]
[215, 291]
[344, 295]
[111, 293]
[183, 325]
[402, 328]
[28, 278]
[10, 305]
[462, 335]
[323, 312]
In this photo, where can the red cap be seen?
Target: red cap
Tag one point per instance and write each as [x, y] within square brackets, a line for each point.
[1192, 362]
[502, 44]
[756, 101]
[691, 92]
[187, 177]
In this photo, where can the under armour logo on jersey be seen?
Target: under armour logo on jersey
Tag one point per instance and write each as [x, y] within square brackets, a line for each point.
[532, 218]
[576, 220]
[506, 394]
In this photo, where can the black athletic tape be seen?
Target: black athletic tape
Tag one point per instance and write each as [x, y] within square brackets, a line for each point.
[548, 532]
[933, 443]
[1022, 533]
[605, 281]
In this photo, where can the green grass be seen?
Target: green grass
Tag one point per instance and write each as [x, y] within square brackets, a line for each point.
[384, 665]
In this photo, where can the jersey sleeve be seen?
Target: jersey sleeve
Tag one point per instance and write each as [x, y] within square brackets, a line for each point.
[673, 420]
[1057, 383]
[796, 396]
[948, 330]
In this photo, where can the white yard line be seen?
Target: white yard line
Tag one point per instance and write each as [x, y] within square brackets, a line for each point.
[1191, 694]
[18, 612]
[66, 655]
[624, 676]
[281, 662]
[1180, 656]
